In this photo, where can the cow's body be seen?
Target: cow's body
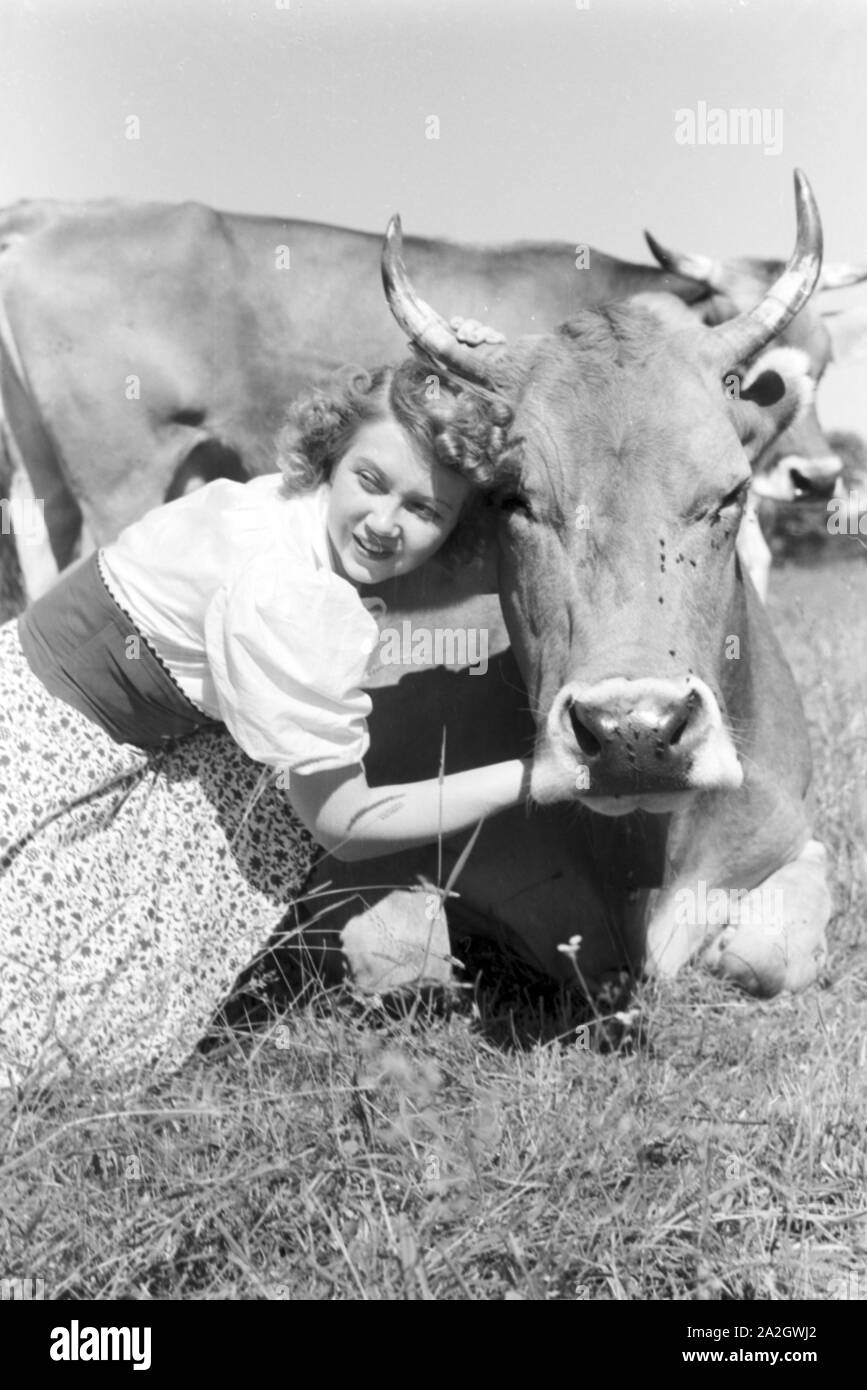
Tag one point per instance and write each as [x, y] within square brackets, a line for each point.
[538, 876]
[671, 764]
[142, 343]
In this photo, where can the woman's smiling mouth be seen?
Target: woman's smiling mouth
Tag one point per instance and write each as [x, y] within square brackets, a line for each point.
[375, 550]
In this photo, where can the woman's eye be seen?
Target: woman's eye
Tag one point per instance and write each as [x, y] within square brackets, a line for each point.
[427, 514]
[368, 481]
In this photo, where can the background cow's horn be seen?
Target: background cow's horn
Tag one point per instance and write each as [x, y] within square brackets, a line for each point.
[837, 275]
[704, 269]
[421, 323]
[742, 337]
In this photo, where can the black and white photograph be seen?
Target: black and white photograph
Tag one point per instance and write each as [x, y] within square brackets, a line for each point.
[433, 662]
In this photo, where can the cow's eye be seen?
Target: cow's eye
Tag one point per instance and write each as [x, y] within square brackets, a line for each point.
[736, 496]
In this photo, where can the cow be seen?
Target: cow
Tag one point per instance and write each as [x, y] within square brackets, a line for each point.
[813, 531]
[670, 810]
[802, 465]
[144, 347]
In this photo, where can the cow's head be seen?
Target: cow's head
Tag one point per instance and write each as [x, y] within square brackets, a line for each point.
[801, 463]
[618, 575]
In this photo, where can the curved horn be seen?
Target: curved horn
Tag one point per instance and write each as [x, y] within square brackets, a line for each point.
[704, 269]
[836, 275]
[742, 337]
[422, 324]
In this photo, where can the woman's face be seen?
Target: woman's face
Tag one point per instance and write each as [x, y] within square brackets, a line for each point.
[389, 508]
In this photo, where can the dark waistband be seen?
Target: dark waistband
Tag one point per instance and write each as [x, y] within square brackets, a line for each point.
[85, 650]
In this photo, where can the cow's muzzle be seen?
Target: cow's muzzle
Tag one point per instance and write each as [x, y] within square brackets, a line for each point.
[647, 738]
[796, 478]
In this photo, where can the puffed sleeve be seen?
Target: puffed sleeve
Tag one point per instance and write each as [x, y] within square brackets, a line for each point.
[287, 648]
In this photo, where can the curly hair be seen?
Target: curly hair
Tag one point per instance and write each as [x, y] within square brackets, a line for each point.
[459, 426]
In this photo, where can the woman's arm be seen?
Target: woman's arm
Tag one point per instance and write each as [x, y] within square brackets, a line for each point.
[355, 821]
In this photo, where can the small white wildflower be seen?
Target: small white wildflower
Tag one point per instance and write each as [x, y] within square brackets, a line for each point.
[571, 947]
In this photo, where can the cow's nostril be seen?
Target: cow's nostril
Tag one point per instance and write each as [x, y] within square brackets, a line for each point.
[678, 733]
[820, 489]
[587, 742]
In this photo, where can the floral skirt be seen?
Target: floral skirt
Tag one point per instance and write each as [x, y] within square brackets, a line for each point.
[134, 886]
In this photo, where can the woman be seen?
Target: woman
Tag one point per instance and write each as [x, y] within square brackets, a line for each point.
[182, 723]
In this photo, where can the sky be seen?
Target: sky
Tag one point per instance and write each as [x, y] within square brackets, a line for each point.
[484, 120]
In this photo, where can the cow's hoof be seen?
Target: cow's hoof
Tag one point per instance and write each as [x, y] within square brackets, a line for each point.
[787, 949]
[749, 959]
[400, 942]
[764, 962]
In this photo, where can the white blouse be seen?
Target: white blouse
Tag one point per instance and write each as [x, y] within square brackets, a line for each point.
[234, 588]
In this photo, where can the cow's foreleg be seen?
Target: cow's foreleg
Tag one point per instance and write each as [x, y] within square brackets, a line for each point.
[675, 930]
[779, 942]
[767, 939]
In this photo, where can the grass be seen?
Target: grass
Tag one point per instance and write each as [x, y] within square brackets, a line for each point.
[499, 1144]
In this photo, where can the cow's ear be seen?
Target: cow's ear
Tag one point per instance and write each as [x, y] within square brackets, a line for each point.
[766, 389]
[772, 394]
[848, 332]
[779, 381]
